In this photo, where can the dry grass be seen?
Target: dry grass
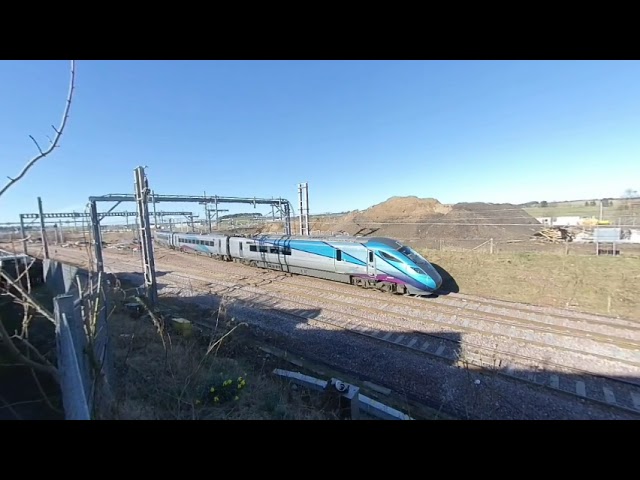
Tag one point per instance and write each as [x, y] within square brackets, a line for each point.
[604, 285]
[182, 381]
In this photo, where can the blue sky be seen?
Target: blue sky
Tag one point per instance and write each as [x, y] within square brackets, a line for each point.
[358, 131]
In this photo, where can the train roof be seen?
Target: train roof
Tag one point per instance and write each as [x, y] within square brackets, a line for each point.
[390, 242]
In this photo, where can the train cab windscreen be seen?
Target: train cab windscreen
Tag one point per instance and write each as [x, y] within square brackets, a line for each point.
[414, 256]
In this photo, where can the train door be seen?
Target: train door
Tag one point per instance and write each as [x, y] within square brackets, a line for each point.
[240, 251]
[371, 263]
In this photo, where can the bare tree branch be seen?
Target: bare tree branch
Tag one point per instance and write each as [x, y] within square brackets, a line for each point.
[31, 348]
[27, 298]
[17, 354]
[56, 138]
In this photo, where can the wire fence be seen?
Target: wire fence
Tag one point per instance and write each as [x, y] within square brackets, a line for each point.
[496, 246]
[478, 244]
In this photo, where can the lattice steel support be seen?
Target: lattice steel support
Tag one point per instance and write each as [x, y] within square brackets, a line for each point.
[287, 219]
[22, 235]
[43, 232]
[303, 197]
[146, 245]
[97, 236]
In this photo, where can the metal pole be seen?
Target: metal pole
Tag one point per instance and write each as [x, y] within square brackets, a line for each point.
[97, 237]
[300, 207]
[146, 243]
[287, 219]
[22, 235]
[217, 216]
[306, 191]
[43, 233]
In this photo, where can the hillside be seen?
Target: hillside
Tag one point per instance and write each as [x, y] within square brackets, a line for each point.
[426, 218]
[432, 219]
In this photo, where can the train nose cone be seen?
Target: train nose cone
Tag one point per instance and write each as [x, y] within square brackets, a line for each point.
[431, 284]
[434, 281]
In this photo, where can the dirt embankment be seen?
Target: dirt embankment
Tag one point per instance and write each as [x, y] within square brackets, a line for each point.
[423, 218]
[412, 218]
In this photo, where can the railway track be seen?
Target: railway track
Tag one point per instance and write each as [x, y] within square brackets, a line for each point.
[579, 383]
[619, 345]
[568, 380]
[518, 312]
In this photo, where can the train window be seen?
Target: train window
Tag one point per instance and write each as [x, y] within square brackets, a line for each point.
[388, 257]
[264, 250]
[273, 250]
[219, 243]
[419, 270]
[339, 255]
[253, 248]
[370, 256]
[286, 251]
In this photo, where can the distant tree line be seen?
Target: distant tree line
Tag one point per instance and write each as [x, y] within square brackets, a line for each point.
[606, 202]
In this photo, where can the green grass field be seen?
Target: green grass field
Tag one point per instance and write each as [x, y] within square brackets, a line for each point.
[604, 285]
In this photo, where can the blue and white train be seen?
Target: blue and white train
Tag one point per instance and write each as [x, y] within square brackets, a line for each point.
[376, 262]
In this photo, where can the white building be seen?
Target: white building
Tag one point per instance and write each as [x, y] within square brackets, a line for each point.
[560, 221]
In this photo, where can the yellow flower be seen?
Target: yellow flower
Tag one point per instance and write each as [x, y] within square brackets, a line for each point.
[239, 379]
[237, 398]
[216, 399]
[212, 390]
